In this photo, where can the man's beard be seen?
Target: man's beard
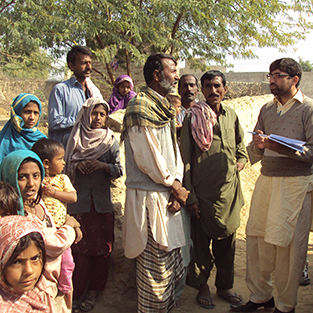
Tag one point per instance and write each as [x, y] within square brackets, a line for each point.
[170, 87]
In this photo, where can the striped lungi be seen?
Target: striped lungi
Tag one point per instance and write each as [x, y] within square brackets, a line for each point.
[157, 272]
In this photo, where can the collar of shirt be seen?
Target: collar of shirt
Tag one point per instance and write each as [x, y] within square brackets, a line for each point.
[75, 82]
[161, 97]
[223, 111]
[282, 109]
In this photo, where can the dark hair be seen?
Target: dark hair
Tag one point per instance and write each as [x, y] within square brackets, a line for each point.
[289, 66]
[23, 244]
[47, 148]
[39, 194]
[154, 62]
[106, 108]
[209, 75]
[186, 75]
[71, 55]
[9, 200]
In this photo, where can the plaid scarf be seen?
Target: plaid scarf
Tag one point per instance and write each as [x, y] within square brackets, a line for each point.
[147, 109]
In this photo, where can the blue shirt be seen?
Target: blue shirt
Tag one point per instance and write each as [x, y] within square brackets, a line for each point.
[65, 101]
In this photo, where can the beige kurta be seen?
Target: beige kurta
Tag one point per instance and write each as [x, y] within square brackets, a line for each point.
[275, 207]
[166, 228]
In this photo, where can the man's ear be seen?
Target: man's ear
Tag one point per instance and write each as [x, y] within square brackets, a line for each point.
[295, 80]
[156, 75]
[46, 163]
[71, 66]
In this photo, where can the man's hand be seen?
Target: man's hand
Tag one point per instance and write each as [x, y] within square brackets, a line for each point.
[194, 209]
[273, 145]
[259, 140]
[173, 204]
[262, 142]
[180, 193]
[240, 166]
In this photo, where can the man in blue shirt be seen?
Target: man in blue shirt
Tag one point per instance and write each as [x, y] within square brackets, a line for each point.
[67, 98]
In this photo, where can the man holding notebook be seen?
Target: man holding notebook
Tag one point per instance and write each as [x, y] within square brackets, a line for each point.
[280, 213]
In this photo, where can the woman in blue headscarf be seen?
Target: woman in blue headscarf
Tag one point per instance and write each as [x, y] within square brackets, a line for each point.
[9, 172]
[21, 131]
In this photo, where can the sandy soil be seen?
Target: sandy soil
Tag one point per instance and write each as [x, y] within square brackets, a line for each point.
[115, 301]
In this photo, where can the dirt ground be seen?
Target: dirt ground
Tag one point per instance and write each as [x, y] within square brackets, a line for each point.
[115, 301]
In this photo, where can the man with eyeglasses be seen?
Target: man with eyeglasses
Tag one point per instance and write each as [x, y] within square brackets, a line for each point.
[280, 213]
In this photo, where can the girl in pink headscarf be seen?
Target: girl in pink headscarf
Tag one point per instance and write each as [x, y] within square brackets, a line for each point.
[22, 262]
[122, 93]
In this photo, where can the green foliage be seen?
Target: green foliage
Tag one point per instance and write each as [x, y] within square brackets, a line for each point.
[129, 30]
[306, 65]
[35, 65]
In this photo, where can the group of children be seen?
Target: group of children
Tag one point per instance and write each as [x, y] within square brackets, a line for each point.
[36, 233]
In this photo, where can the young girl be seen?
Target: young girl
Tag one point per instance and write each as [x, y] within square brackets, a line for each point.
[22, 262]
[92, 159]
[23, 169]
[122, 93]
[57, 191]
[21, 132]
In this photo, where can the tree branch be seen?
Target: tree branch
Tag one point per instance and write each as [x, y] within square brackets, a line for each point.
[175, 28]
[6, 5]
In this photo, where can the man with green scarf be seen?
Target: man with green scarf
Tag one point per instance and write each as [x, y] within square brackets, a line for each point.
[152, 230]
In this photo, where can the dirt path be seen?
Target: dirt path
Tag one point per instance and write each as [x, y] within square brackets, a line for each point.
[117, 299]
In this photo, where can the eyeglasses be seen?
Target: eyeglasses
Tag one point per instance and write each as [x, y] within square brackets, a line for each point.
[276, 75]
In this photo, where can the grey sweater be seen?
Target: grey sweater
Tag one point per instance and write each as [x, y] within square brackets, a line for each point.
[297, 123]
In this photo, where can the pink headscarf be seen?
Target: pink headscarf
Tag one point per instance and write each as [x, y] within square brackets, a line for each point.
[12, 229]
[85, 143]
[203, 118]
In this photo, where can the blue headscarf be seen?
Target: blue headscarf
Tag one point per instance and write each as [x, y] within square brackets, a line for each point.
[13, 135]
[9, 170]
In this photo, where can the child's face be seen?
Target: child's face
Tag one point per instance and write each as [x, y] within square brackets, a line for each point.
[177, 105]
[57, 163]
[30, 114]
[123, 88]
[23, 274]
[29, 180]
[98, 117]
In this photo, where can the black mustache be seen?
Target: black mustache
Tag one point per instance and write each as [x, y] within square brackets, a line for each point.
[213, 94]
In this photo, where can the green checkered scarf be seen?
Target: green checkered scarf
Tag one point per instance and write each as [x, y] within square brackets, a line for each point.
[147, 109]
